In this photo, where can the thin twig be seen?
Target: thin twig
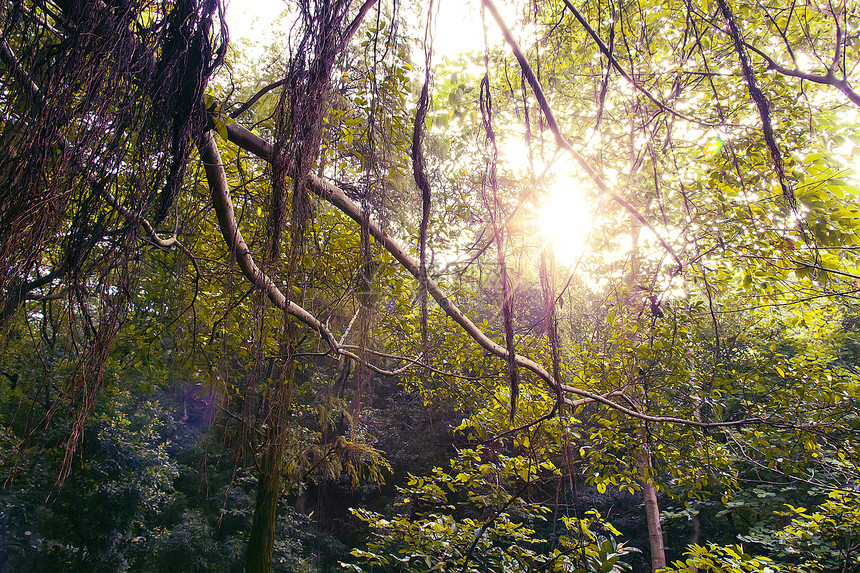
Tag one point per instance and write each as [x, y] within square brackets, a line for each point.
[614, 61]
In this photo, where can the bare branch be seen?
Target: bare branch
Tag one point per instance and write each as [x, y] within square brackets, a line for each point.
[353, 26]
[829, 78]
[263, 91]
[761, 102]
[415, 362]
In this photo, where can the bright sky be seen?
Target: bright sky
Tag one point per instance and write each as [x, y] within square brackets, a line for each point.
[253, 21]
[458, 26]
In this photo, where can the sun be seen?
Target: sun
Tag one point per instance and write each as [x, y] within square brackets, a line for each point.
[565, 220]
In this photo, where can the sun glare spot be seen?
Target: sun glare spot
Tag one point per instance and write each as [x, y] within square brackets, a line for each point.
[565, 221]
[714, 146]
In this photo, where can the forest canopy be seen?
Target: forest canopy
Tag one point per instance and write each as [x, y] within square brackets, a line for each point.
[582, 298]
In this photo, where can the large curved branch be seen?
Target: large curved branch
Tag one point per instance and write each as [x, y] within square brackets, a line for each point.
[356, 22]
[332, 194]
[336, 197]
[220, 192]
[828, 79]
[227, 223]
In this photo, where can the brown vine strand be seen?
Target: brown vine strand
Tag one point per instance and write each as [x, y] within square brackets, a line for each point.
[490, 179]
[761, 103]
[47, 178]
[547, 280]
[419, 171]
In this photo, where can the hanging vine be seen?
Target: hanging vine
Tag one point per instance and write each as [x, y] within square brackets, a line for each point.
[498, 221]
[101, 106]
[419, 170]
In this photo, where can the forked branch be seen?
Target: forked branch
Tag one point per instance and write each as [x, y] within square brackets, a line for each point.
[604, 49]
[828, 79]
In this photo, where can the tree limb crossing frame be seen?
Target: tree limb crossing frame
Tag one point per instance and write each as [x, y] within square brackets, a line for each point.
[256, 145]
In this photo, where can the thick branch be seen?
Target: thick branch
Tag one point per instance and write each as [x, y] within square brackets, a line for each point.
[263, 91]
[828, 79]
[356, 22]
[761, 102]
[217, 179]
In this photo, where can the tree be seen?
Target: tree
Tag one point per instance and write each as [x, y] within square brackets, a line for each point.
[105, 107]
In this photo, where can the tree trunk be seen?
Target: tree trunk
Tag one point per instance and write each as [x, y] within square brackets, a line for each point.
[643, 455]
[697, 532]
[652, 509]
[262, 541]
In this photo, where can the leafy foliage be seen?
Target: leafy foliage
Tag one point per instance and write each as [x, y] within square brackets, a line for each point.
[167, 400]
[463, 518]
